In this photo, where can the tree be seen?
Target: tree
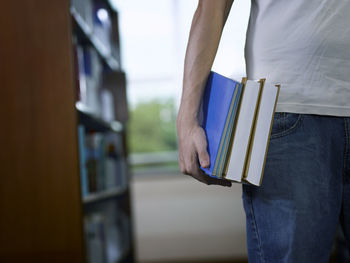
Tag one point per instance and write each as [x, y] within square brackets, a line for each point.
[152, 127]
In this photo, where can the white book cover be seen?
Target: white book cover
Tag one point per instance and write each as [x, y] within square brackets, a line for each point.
[261, 135]
[243, 130]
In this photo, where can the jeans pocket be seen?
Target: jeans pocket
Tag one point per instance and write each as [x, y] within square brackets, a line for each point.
[285, 123]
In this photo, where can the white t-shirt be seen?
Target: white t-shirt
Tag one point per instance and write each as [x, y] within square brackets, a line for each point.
[305, 46]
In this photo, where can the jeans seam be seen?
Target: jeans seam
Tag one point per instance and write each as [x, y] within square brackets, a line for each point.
[255, 228]
[346, 149]
[290, 130]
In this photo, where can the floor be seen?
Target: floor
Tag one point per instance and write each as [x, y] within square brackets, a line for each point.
[178, 219]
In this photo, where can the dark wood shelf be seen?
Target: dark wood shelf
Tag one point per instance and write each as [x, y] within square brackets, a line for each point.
[95, 123]
[104, 195]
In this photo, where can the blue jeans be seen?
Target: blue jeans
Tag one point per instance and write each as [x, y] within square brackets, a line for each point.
[305, 192]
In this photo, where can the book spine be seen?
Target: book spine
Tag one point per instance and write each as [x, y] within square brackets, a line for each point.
[82, 157]
[223, 142]
[233, 132]
[228, 133]
[267, 145]
[252, 133]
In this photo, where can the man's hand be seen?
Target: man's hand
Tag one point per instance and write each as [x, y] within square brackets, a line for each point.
[193, 151]
[207, 25]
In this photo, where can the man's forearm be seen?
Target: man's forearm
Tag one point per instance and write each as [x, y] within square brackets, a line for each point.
[207, 25]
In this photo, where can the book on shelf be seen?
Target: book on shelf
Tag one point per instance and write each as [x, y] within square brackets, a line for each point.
[107, 237]
[89, 75]
[102, 25]
[102, 93]
[237, 119]
[114, 162]
[115, 82]
[107, 105]
[117, 234]
[102, 166]
[95, 238]
[82, 161]
[94, 161]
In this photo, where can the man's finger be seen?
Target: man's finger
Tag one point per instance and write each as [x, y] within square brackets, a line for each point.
[203, 157]
[201, 148]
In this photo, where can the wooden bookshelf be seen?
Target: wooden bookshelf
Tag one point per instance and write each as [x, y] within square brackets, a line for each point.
[41, 211]
[95, 123]
[41, 202]
[106, 207]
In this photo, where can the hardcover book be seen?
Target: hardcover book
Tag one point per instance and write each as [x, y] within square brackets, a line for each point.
[237, 118]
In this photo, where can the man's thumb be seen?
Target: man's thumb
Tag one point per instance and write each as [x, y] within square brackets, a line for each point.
[203, 156]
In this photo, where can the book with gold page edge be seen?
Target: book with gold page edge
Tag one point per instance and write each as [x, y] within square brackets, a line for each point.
[237, 119]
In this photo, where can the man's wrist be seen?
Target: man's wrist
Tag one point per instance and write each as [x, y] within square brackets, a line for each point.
[186, 117]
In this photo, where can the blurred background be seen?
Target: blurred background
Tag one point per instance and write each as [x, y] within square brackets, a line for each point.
[89, 169]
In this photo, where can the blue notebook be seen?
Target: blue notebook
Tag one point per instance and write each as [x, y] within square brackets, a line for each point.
[219, 108]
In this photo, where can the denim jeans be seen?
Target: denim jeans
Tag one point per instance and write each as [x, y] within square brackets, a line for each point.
[305, 192]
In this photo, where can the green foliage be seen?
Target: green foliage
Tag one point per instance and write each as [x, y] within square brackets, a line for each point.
[152, 127]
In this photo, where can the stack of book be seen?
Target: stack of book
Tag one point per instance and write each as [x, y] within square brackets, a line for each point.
[89, 76]
[97, 60]
[237, 118]
[102, 165]
[101, 92]
[107, 238]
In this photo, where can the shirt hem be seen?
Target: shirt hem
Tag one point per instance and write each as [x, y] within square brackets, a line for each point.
[314, 109]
